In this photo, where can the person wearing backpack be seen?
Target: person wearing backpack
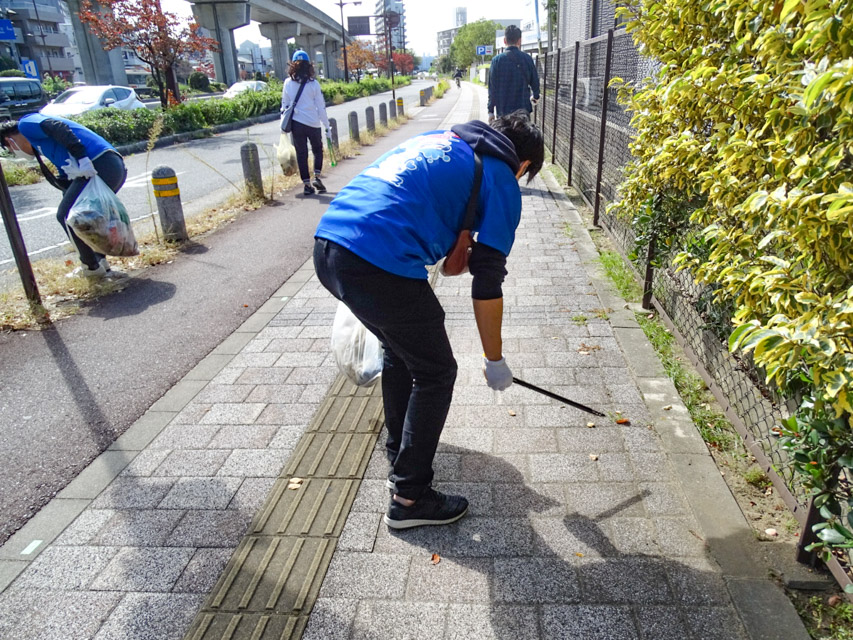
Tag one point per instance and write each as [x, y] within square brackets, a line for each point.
[512, 78]
[78, 154]
[303, 103]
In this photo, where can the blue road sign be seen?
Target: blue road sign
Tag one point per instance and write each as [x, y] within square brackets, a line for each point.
[30, 68]
[6, 30]
[481, 49]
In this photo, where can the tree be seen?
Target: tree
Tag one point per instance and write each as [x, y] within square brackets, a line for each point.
[463, 51]
[359, 57]
[158, 38]
[403, 63]
[444, 64]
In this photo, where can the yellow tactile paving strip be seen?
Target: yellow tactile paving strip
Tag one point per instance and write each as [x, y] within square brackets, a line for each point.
[272, 580]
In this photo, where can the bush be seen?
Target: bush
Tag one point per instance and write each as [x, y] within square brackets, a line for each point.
[750, 118]
[119, 126]
[12, 73]
[199, 81]
[184, 117]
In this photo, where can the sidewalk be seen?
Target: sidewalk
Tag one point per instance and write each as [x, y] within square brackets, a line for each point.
[609, 531]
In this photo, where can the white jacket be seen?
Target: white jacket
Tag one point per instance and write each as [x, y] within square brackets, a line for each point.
[311, 108]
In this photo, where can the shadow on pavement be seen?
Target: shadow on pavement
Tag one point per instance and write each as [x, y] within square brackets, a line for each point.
[136, 298]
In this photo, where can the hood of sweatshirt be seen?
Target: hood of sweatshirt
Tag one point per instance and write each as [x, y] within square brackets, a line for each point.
[486, 141]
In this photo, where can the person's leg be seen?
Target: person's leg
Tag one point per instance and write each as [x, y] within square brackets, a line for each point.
[300, 143]
[418, 385]
[111, 169]
[316, 137]
[90, 258]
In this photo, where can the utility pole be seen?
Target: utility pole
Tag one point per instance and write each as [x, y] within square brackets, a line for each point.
[341, 4]
[43, 45]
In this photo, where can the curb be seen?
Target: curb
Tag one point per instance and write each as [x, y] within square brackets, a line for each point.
[766, 612]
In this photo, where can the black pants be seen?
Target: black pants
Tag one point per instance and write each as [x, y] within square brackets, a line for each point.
[419, 369]
[302, 133]
[111, 169]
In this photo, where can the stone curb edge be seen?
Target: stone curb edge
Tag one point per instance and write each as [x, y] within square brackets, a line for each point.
[30, 540]
[765, 610]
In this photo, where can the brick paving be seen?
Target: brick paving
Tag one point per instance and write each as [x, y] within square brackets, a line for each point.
[574, 531]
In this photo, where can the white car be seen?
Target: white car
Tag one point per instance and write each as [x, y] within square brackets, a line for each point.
[77, 100]
[247, 85]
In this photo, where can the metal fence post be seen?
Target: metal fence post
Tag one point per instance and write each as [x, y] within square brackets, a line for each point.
[544, 90]
[574, 106]
[370, 119]
[392, 109]
[603, 128]
[19, 249]
[168, 197]
[383, 114]
[556, 102]
[353, 126]
[252, 169]
[333, 128]
[648, 280]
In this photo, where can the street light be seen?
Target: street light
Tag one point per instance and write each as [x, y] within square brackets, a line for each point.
[341, 4]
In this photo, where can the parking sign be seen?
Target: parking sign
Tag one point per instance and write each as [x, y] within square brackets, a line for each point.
[30, 68]
[481, 49]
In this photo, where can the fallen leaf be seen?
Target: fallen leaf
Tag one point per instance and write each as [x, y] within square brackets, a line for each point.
[590, 425]
[593, 457]
[511, 412]
[245, 305]
[834, 601]
[435, 558]
[68, 263]
[623, 421]
[578, 554]
[667, 407]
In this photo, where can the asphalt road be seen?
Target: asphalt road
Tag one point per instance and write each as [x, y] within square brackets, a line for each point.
[69, 391]
[208, 171]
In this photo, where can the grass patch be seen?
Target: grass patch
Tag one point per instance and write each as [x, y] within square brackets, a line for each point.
[558, 173]
[621, 275]
[716, 430]
[568, 231]
[825, 621]
[756, 477]
[20, 174]
[579, 319]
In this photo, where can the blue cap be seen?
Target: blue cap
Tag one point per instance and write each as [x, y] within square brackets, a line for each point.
[299, 54]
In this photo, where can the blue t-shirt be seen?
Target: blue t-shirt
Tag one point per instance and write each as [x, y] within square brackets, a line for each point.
[30, 127]
[406, 209]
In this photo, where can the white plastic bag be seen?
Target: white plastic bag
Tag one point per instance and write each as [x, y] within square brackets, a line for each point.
[100, 220]
[286, 155]
[358, 352]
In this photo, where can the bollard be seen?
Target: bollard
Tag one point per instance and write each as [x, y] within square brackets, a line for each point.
[353, 126]
[422, 97]
[392, 109]
[252, 170]
[371, 120]
[400, 106]
[383, 114]
[333, 127]
[168, 197]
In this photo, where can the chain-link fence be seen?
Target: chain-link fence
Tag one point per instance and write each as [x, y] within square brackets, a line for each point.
[588, 133]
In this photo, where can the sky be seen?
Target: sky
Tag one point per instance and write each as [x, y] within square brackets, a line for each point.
[424, 18]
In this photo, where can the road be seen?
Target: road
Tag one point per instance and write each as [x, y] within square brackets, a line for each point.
[208, 171]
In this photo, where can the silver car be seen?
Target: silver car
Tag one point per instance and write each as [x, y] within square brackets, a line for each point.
[79, 100]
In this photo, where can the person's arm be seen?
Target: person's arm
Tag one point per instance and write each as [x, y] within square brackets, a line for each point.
[285, 97]
[490, 107]
[488, 268]
[62, 134]
[489, 316]
[534, 78]
[320, 101]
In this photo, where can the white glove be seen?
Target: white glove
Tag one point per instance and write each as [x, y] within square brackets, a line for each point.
[79, 169]
[498, 375]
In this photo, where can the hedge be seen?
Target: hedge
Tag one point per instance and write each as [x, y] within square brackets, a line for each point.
[121, 127]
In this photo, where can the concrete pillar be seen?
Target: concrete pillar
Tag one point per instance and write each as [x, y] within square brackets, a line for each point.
[221, 18]
[168, 197]
[278, 33]
[383, 114]
[331, 53]
[370, 119]
[252, 170]
[99, 66]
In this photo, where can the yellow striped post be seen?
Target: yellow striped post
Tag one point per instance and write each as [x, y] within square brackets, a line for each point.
[168, 197]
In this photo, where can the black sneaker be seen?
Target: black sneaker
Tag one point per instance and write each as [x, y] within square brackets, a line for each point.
[432, 508]
[308, 190]
[321, 188]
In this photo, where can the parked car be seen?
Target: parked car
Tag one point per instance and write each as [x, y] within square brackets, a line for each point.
[77, 100]
[21, 96]
[247, 85]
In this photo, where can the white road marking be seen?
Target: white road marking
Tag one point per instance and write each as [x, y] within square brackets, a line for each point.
[37, 213]
[31, 547]
[142, 180]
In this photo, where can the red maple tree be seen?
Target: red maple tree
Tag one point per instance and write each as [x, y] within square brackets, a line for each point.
[158, 38]
[403, 63]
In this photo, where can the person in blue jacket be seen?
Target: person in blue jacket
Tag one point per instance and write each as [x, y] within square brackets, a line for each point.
[79, 154]
[371, 250]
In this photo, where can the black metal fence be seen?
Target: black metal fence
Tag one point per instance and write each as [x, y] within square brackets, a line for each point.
[588, 133]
